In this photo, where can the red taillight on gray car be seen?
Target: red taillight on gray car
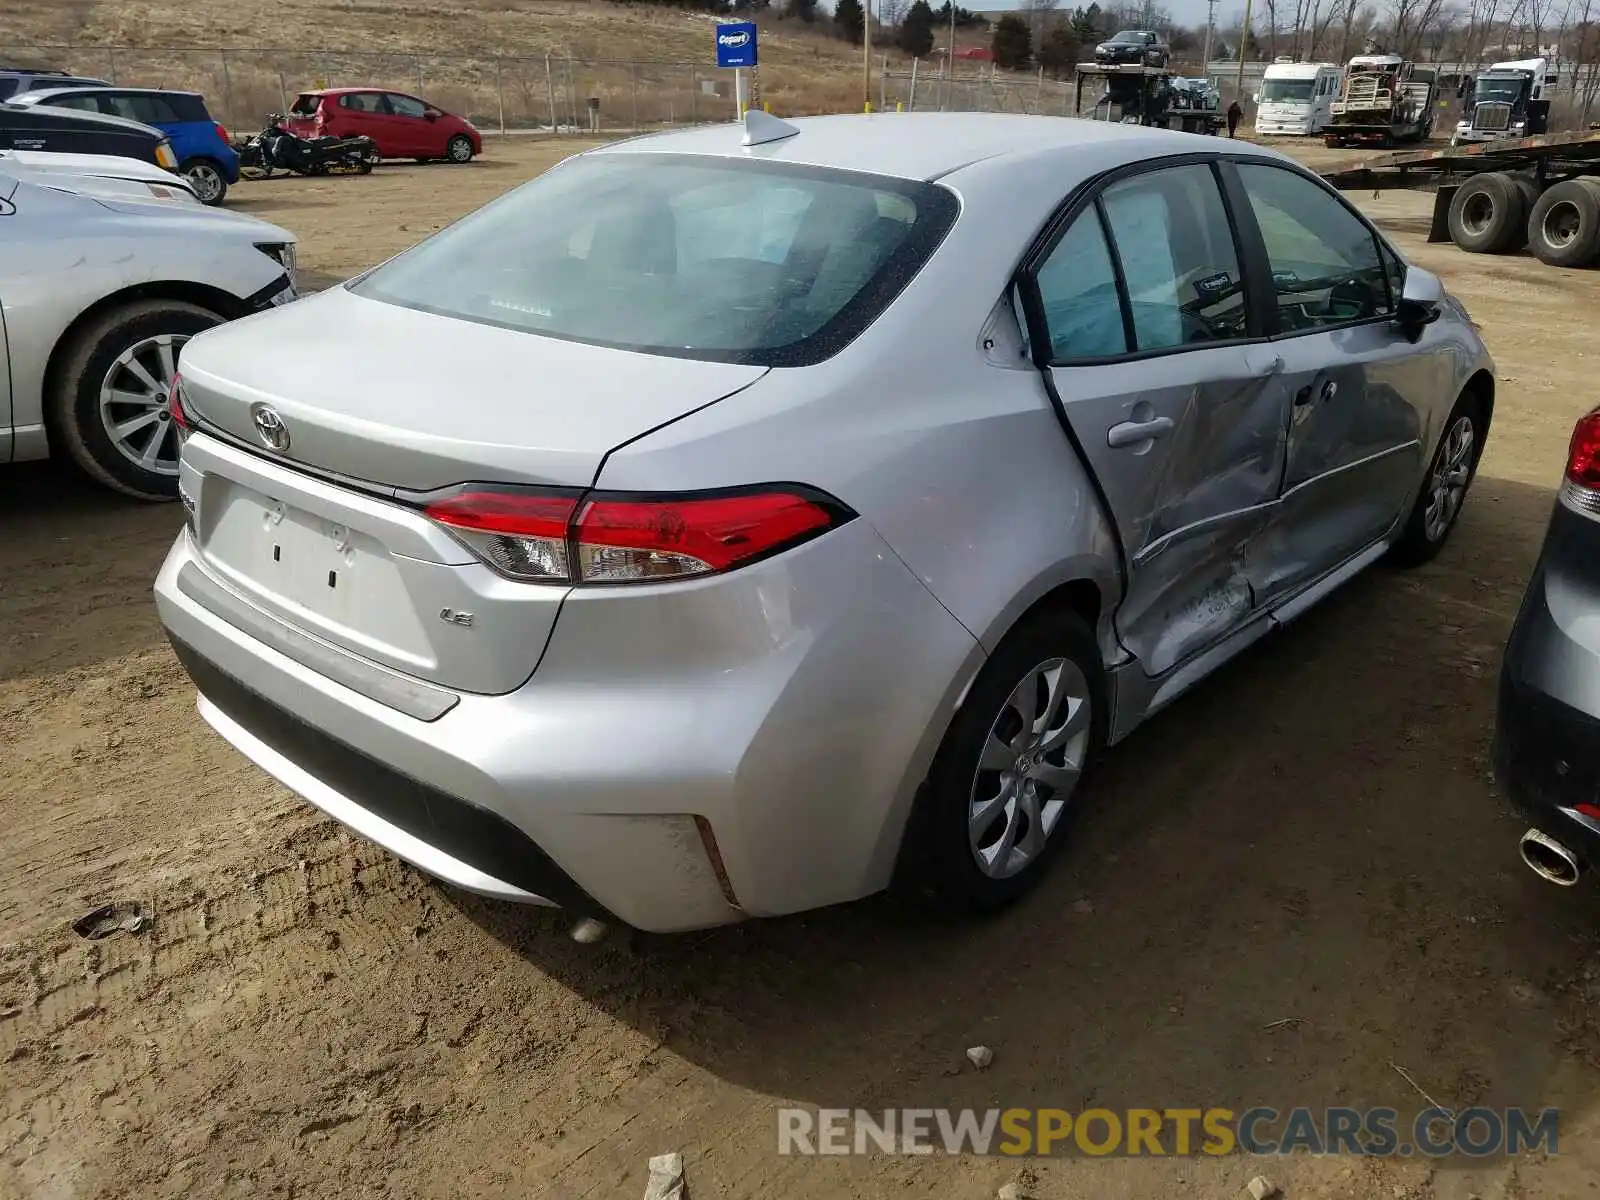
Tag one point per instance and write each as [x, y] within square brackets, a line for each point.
[1580, 490]
[609, 537]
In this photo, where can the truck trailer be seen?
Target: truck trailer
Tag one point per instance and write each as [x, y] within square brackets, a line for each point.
[1495, 197]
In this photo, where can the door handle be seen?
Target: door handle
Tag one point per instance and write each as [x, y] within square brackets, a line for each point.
[1132, 433]
[1328, 390]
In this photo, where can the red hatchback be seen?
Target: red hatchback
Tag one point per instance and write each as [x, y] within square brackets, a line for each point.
[403, 126]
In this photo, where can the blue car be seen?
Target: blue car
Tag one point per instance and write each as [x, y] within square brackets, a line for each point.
[201, 145]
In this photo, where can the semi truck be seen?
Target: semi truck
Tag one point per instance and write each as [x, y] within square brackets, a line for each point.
[1509, 100]
[1385, 101]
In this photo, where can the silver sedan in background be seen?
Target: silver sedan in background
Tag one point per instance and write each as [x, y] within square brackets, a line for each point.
[107, 269]
[726, 525]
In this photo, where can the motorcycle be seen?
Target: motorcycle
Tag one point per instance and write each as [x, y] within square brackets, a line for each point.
[276, 149]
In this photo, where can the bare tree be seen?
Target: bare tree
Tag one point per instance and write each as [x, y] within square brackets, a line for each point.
[1409, 22]
[890, 13]
[1039, 14]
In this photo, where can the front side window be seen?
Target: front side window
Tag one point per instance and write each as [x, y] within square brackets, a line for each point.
[1078, 294]
[728, 260]
[1175, 246]
[78, 103]
[1326, 269]
[405, 106]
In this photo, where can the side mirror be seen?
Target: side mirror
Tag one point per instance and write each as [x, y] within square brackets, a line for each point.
[433, 114]
[1421, 302]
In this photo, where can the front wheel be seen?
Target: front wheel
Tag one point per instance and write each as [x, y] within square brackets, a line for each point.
[1005, 782]
[459, 149]
[207, 180]
[108, 405]
[1444, 490]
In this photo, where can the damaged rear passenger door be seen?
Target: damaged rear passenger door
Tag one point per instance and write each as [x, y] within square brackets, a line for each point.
[1174, 398]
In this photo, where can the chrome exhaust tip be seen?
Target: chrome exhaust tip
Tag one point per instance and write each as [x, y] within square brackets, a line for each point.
[1549, 859]
[589, 932]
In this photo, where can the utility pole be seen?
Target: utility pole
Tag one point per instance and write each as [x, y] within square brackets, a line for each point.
[866, 55]
[1211, 22]
[1244, 37]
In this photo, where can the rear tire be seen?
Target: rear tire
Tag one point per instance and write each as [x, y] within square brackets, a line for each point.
[1488, 215]
[104, 383]
[1003, 792]
[206, 177]
[458, 149]
[1564, 226]
[1444, 488]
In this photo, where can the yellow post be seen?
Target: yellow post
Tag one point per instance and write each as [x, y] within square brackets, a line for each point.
[766, 106]
[868, 107]
[899, 106]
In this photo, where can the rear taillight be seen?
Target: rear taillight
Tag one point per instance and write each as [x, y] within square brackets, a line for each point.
[175, 406]
[608, 538]
[1583, 452]
[1580, 489]
[222, 133]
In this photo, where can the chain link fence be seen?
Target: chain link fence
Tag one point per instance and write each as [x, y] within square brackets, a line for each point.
[549, 93]
[509, 94]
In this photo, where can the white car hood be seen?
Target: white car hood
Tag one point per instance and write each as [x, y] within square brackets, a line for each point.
[174, 218]
[112, 166]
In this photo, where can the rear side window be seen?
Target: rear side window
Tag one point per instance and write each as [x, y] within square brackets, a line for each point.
[721, 259]
[1078, 291]
[367, 102]
[304, 106]
[137, 106]
[188, 108]
[8, 88]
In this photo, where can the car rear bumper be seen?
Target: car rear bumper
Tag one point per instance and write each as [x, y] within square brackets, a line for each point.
[1547, 728]
[788, 710]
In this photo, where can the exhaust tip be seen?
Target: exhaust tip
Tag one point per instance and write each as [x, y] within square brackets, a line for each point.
[589, 932]
[1549, 859]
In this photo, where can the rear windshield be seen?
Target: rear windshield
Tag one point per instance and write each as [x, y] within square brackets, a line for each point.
[304, 106]
[727, 260]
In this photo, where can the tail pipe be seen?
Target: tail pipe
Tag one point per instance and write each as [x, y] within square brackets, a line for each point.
[1549, 859]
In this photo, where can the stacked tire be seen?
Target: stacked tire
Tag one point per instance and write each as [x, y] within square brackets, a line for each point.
[1500, 213]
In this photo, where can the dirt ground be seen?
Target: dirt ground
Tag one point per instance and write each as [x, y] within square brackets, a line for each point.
[1286, 889]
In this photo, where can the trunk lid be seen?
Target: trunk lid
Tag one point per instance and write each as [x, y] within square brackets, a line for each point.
[410, 400]
[405, 401]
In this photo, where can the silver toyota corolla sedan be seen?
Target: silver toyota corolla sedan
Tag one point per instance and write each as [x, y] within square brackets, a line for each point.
[734, 521]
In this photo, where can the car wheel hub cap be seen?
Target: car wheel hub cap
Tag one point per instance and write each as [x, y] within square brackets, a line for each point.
[1448, 484]
[1028, 768]
[134, 403]
[207, 183]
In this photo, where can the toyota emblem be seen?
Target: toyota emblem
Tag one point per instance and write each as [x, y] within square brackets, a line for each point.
[269, 425]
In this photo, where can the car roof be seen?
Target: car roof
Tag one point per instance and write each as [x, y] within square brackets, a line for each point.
[89, 118]
[927, 146]
[106, 87]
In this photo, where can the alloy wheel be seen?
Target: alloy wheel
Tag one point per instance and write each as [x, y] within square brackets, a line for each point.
[1447, 486]
[134, 407]
[460, 150]
[207, 181]
[1029, 768]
